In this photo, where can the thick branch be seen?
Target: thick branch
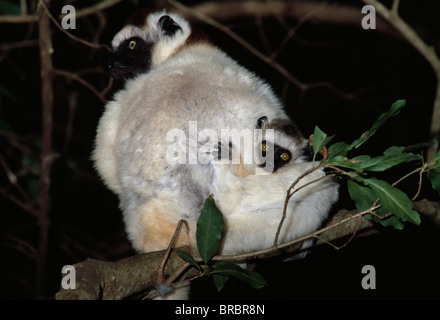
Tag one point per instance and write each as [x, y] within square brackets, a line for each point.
[332, 13]
[116, 280]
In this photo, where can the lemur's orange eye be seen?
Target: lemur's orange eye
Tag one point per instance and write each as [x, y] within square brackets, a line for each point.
[132, 45]
[264, 147]
[285, 156]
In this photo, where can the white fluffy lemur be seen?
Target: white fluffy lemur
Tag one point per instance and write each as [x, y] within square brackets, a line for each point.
[252, 204]
[194, 83]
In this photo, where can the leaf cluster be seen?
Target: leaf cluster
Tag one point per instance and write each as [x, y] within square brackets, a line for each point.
[386, 204]
[208, 235]
[368, 191]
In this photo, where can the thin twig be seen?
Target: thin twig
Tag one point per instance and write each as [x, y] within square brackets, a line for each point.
[420, 170]
[47, 154]
[71, 36]
[97, 8]
[286, 202]
[19, 45]
[33, 18]
[395, 7]
[346, 242]
[292, 31]
[420, 181]
[28, 207]
[271, 250]
[427, 51]
[13, 179]
[350, 175]
[77, 78]
[275, 65]
[161, 272]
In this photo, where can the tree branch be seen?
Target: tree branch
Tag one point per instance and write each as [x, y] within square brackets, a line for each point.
[334, 13]
[200, 13]
[33, 18]
[73, 76]
[47, 155]
[428, 52]
[116, 280]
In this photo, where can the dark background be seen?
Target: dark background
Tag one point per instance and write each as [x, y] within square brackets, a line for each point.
[372, 69]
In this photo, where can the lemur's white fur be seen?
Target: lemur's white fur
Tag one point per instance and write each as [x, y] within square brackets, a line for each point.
[199, 82]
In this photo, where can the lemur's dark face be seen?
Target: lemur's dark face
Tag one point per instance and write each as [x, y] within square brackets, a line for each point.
[286, 145]
[132, 57]
[278, 156]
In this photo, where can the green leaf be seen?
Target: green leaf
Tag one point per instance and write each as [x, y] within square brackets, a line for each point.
[189, 258]
[434, 177]
[364, 197]
[385, 162]
[434, 174]
[391, 221]
[209, 229]
[394, 200]
[320, 139]
[345, 163]
[437, 156]
[394, 110]
[338, 149]
[376, 164]
[394, 150]
[232, 270]
[219, 280]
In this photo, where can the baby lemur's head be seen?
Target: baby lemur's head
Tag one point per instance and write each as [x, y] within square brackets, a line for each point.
[256, 194]
[280, 144]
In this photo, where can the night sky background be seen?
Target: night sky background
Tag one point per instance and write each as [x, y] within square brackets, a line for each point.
[372, 68]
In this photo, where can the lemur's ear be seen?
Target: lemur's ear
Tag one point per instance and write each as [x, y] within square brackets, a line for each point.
[262, 122]
[168, 26]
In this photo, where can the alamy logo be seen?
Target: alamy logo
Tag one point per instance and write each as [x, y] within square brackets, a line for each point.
[69, 279]
[229, 146]
[369, 21]
[369, 280]
[69, 20]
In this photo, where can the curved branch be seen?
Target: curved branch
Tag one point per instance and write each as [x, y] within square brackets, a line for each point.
[428, 52]
[33, 18]
[116, 280]
[200, 14]
[77, 78]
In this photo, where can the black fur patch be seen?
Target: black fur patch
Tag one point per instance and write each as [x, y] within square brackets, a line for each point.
[261, 122]
[272, 165]
[126, 63]
[168, 26]
[308, 152]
